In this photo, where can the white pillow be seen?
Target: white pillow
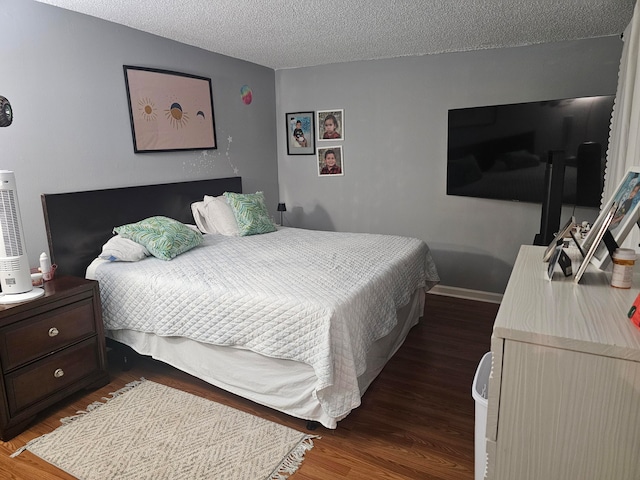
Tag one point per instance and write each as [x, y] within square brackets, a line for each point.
[119, 249]
[214, 215]
[197, 209]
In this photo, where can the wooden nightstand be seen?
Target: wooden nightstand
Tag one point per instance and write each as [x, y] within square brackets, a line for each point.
[50, 347]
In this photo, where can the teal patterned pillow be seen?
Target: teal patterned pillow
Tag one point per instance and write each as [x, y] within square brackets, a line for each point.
[164, 237]
[250, 212]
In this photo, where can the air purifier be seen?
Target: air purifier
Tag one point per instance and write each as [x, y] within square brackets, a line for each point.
[15, 273]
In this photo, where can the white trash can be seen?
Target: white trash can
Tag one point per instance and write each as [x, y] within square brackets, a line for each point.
[480, 393]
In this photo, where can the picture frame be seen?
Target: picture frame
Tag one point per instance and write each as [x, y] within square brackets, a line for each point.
[333, 168]
[301, 141]
[556, 251]
[627, 198]
[334, 117]
[596, 241]
[559, 238]
[169, 111]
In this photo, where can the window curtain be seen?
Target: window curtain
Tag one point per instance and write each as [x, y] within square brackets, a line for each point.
[624, 137]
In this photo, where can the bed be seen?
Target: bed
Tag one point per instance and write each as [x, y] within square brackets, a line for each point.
[298, 320]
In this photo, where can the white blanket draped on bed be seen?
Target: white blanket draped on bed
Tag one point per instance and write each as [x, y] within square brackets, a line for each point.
[321, 298]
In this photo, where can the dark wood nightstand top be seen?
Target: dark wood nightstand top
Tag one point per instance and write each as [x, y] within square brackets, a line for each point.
[61, 287]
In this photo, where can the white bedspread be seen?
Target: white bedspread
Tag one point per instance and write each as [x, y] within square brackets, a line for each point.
[321, 298]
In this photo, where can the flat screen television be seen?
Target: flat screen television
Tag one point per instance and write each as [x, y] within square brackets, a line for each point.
[501, 151]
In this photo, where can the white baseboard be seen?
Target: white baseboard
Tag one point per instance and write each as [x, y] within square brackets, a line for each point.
[466, 294]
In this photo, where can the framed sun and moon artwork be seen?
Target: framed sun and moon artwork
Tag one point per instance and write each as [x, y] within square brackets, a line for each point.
[169, 111]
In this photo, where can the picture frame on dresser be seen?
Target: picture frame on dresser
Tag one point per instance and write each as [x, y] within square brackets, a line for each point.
[559, 257]
[555, 255]
[559, 238]
[596, 241]
[627, 198]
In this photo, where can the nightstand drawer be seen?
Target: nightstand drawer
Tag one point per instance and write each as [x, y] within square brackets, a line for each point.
[45, 333]
[39, 380]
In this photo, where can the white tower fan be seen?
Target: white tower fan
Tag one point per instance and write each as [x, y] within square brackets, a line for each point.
[15, 273]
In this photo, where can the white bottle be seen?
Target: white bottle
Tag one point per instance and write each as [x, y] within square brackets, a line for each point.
[624, 260]
[45, 266]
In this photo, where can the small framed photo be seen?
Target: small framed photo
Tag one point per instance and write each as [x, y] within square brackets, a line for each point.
[553, 259]
[330, 161]
[596, 240]
[627, 199]
[564, 232]
[301, 133]
[330, 125]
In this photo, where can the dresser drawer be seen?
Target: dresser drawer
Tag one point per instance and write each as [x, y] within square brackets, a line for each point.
[39, 380]
[45, 333]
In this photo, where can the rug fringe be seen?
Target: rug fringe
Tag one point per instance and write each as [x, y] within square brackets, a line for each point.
[81, 413]
[293, 460]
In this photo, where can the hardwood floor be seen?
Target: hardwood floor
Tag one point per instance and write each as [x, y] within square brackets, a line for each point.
[416, 420]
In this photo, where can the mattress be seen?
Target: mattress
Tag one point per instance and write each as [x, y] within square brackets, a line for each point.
[321, 299]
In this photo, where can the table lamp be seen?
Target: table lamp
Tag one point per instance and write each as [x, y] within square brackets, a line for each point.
[281, 208]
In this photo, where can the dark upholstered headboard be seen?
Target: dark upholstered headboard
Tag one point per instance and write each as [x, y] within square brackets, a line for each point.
[79, 223]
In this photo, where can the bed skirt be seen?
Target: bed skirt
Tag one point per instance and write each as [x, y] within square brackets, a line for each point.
[284, 385]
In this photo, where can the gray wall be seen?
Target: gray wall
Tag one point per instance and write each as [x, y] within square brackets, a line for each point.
[62, 73]
[395, 114]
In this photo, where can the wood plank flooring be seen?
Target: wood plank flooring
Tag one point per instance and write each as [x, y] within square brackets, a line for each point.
[416, 420]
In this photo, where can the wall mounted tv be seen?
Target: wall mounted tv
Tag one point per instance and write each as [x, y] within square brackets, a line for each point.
[501, 151]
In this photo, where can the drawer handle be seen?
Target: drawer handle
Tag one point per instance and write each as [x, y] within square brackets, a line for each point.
[58, 373]
[53, 331]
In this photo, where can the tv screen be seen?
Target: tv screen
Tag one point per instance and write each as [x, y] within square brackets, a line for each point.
[501, 151]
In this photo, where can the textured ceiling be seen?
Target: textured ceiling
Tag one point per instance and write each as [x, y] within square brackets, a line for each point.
[289, 34]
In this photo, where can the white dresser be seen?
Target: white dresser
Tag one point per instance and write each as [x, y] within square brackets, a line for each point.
[564, 393]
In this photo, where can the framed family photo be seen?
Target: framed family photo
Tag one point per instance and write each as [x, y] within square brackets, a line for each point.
[597, 244]
[330, 161]
[169, 110]
[330, 125]
[300, 133]
[627, 200]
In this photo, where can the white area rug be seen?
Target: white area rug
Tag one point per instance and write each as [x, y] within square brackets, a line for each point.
[150, 431]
